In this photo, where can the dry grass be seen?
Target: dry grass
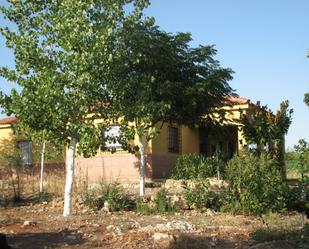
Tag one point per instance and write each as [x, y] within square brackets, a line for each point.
[54, 181]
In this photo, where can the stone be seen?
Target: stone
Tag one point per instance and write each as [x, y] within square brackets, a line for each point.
[71, 237]
[181, 226]
[175, 199]
[114, 229]
[162, 236]
[210, 212]
[29, 223]
[135, 225]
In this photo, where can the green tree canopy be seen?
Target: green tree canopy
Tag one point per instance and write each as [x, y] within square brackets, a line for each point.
[164, 80]
[63, 54]
[266, 130]
[306, 99]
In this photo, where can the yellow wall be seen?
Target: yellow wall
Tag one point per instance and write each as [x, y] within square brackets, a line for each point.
[189, 137]
[6, 135]
[6, 132]
[189, 141]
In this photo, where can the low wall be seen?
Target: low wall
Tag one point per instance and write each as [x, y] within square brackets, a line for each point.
[111, 167]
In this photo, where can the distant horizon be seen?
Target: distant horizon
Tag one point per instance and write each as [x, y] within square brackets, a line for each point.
[264, 42]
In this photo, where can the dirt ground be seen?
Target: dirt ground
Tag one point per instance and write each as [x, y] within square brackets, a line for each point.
[34, 226]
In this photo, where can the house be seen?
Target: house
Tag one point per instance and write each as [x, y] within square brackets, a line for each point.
[173, 141]
[30, 152]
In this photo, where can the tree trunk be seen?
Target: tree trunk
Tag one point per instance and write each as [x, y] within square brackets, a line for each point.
[13, 184]
[281, 157]
[260, 149]
[143, 147]
[42, 169]
[69, 177]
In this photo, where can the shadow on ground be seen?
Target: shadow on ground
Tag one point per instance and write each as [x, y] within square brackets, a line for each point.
[189, 241]
[260, 239]
[40, 240]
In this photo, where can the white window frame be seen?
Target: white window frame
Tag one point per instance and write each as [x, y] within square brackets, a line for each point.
[114, 132]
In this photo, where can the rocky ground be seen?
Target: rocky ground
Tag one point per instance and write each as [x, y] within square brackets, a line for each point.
[34, 226]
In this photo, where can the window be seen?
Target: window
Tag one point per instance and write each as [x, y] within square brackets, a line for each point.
[25, 152]
[173, 139]
[111, 136]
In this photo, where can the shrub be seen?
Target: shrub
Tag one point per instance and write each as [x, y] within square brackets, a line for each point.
[193, 166]
[112, 194]
[161, 205]
[163, 202]
[143, 207]
[199, 196]
[11, 159]
[256, 185]
[297, 195]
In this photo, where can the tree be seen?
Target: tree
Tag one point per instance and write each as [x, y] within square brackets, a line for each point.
[63, 51]
[266, 130]
[42, 150]
[11, 159]
[302, 150]
[163, 80]
[306, 99]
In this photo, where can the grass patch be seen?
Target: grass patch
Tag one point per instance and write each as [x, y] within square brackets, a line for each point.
[281, 227]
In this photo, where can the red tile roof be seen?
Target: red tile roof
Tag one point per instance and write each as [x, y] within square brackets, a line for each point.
[238, 100]
[8, 120]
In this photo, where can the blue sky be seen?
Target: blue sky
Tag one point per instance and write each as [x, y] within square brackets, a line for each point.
[264, 42]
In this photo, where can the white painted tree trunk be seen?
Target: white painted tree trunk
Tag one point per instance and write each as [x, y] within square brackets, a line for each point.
[42, 168]
[142, 168]
[69, 177]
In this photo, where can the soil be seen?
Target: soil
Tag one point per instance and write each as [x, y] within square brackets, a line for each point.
[36, 226]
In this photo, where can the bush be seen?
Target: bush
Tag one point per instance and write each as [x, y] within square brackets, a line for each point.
[112, 194]
[143, 207]
[193, 166]
[199, 196]
[298, 195]
[256, 185]
[163, 202]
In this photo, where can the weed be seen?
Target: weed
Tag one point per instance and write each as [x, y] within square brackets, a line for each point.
[142, 207]
[163, 202]
[110, 195]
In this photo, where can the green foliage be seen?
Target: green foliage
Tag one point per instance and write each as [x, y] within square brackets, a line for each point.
[255, 185]
[10, 155]
[112, 194]
[302, 158]
[64, 60]
[262, 127]
[200, 196]
[142, 207]
[291, 159]
[161, 205]
[163, 202]
[306, 99]
[299, 196]
[193, 166]
[11, 158]
[42, 196]
[162, 80]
